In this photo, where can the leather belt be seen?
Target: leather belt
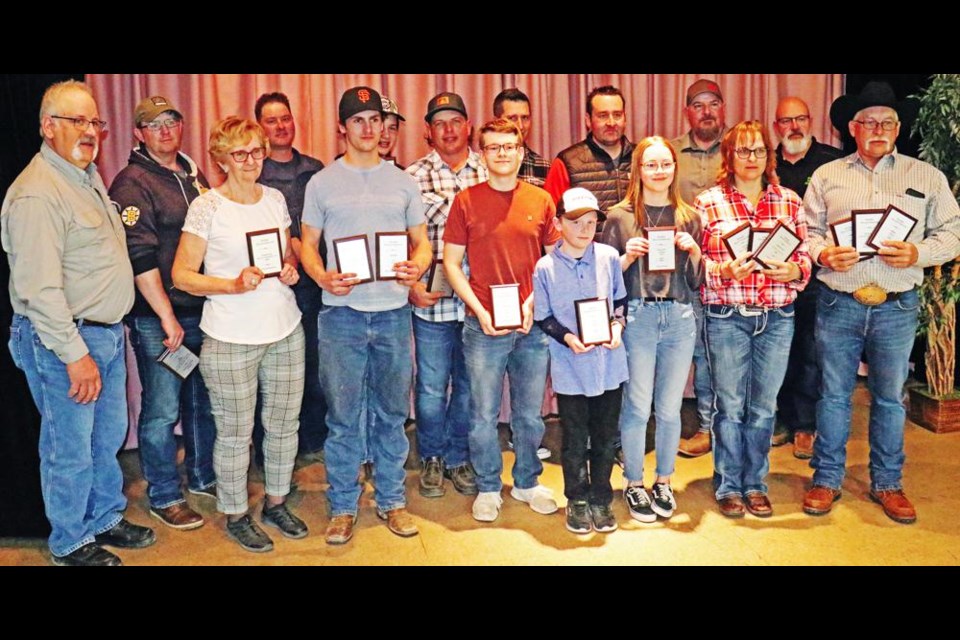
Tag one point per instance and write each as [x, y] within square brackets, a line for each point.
[745, 310]
[81, 322]
[657, 299]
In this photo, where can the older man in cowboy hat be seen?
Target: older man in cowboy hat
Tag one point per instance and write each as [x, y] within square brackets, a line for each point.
[871, 304]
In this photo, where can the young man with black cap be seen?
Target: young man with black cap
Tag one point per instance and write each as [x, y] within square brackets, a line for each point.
[153, 193]
[442, 421]
[364, 328]
[872, 304]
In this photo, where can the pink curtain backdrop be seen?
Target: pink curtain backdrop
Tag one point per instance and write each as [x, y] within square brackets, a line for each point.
[654, 105]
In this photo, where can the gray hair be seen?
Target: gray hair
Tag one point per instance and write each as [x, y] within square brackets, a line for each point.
[52, 95]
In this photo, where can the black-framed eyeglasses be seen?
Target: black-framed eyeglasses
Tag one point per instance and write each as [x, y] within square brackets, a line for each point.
[800, 120]
[743, 153]
[494, 149]
[81, 124]
[241, 156]
[871, 124]
[156, 125]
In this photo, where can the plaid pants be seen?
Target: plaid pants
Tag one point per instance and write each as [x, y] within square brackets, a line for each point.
[233, 373]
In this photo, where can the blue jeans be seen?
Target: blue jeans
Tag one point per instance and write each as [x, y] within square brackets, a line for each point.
[164, 400]
[365, 350]
[702, 380]
[660, 339]
[80, 477]
[748, 357]
[524, 359]
[845, 328]
[442, 417]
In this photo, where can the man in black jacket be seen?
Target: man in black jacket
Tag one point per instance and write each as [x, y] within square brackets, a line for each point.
[153, 193]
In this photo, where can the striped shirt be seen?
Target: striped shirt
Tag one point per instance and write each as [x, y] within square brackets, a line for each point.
[909, 184]
[722, 209]
[534, 168]
[438, 185]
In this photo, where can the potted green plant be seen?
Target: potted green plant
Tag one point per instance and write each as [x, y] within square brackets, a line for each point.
[936, 405]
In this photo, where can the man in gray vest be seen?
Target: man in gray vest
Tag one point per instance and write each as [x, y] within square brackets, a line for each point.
[70, 285]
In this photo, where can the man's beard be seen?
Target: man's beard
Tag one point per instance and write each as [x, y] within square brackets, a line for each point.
[797, 147]
[707, 131]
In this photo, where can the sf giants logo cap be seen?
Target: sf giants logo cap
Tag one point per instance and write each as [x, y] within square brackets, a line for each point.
[359, 99]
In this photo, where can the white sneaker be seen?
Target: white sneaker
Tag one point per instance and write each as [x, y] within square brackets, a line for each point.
[540, 498]
[542, 452]
[486, 507]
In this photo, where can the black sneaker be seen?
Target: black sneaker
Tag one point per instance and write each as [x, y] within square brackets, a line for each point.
[578, 517]
[205, 492]
[603, 520]
[638, 502]
[248, 535]
[89, 555]
[431, 478]
[663, 501]
[279, 516]
[464, 479]
[127, 535]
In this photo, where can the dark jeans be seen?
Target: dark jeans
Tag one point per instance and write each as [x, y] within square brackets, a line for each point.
[797, 402]
[313, 411]
[596, 419]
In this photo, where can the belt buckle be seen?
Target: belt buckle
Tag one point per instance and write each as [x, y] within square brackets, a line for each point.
[870, 295]
[747, 313]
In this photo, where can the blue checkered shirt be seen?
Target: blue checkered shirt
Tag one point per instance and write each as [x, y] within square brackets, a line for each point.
[438, 186]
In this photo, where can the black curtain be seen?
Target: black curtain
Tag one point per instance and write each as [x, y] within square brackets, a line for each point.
[21, 505]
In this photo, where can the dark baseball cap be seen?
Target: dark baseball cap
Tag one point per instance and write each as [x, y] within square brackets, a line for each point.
[703, 86]
[358, 99]
[443, 101]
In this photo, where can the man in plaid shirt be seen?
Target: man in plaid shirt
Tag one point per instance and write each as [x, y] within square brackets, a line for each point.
[442, 421]
[514, 105]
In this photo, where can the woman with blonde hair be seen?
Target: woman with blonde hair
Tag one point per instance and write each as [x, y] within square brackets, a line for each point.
[661, 328]
[253, 339]
[749, 313]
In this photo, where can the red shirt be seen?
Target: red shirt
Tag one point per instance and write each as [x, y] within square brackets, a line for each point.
[722, 209]
[504, 233]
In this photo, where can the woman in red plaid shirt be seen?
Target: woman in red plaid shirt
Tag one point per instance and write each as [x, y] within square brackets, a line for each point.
[749, 311]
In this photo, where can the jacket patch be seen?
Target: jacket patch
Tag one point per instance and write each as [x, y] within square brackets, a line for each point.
[130, 215]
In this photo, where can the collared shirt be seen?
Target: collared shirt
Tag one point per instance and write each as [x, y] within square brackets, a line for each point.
[558, 282]
[439, 184]
[722, 209]
[909, 184]
[697, 168]
[67, 251]
[796, 175]
[534, 168]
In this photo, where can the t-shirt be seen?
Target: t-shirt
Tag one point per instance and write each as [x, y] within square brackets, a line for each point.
[344, 201]
[268, 313]
[504, 232]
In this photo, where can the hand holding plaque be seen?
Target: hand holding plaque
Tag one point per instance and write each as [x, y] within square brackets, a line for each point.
[737, 241]
[265, 251]
[894, 225]
[391, 249]
[437, 280]
[780, 244]
[864, 222]
[661, 255]
[593, 321]
[352, 255]
[180, 361]
[505, 302]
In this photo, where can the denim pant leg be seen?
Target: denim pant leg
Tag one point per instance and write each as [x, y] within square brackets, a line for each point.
[159, 413]
[281, 379]
[196, 417]
[702, 379]
[841, 331]
[442, 412]
[797, 401]
[344, 337]
[527, 372]
[388, 386]
[729, 341]
[640, 340]
[80, 477]
[313, 411]
[486, 359]
[768, 363]
[890, 336]
[678, 337]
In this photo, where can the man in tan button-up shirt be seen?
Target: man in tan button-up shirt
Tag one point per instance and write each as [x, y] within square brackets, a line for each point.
[70, 285]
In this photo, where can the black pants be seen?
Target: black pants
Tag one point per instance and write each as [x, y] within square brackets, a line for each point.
[596, 418]
[797, 401]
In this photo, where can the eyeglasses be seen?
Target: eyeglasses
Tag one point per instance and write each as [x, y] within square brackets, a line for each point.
[743, 153]
[871, 125]
[800, 120]
[81, 124]
[241, 156]
[651, 167]
[494, 149]
[156, 125]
